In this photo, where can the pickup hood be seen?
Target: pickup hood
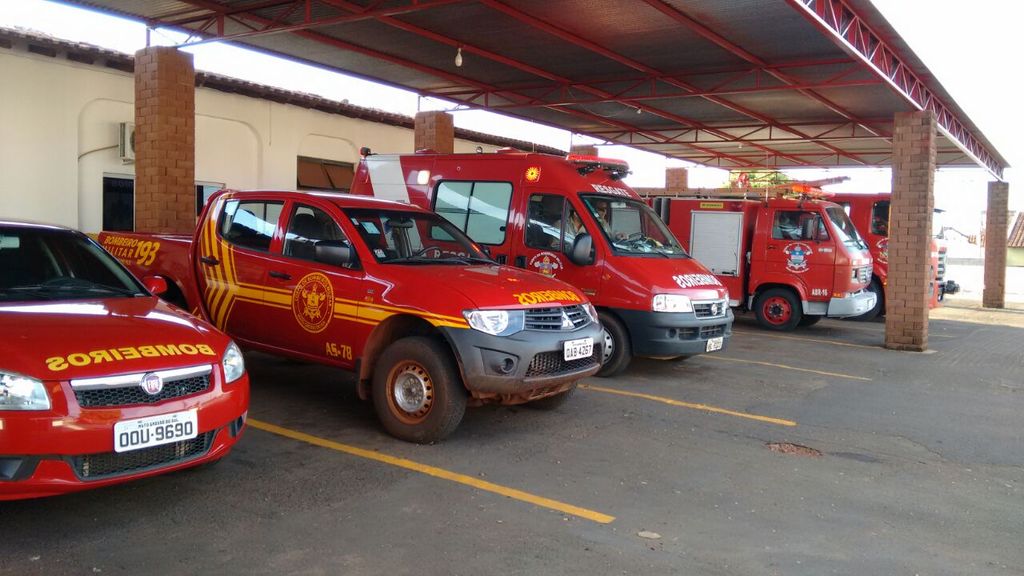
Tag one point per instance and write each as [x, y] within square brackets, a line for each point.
[638, 279]
[88, 338]
[458, 288]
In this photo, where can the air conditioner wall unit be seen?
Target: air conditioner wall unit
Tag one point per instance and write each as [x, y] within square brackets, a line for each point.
[126, 142]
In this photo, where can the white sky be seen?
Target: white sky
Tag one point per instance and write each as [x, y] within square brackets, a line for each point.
[969, 46]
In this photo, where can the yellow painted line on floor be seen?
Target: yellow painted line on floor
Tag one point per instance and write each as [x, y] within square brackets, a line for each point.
[784, 337]
[702, 407]
[784, 366]
[435, 472]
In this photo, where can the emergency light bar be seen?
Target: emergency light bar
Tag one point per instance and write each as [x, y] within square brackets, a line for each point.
[617, 169]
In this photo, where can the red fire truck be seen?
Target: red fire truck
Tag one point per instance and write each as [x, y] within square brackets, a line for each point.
[786, 254]
[392, 292]
[100, 381]
[572, 219]
[870, 214]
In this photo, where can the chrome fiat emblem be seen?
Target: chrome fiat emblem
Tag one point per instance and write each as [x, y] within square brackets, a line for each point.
[152, 384]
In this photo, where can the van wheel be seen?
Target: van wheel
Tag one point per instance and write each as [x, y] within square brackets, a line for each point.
[616, 351]
[552, 402]
[875, 287]
[808, 320]
[417, 391]
[778, 309]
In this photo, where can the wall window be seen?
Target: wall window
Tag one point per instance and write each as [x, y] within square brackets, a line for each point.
[318, 174]
[203, 192]
[250, 224]
[118, 204]
[480, 209]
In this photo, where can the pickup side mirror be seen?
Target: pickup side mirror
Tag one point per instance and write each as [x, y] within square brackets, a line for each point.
[334, 253]
[582, 252]
[157, 285]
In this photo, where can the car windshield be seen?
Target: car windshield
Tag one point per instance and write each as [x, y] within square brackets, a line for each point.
[844, 229]
[632, 227]
[45, 264]
[406, 237]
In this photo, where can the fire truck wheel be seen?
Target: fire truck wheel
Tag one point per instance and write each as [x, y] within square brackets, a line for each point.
[875, 287]
[778, 309]
[616, 351]
[552, 402]
[417, 392]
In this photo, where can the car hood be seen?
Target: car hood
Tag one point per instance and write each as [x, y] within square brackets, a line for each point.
[88, 338]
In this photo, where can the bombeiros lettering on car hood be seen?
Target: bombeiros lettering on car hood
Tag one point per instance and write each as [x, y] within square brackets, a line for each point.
[98, 337]
[695, 280]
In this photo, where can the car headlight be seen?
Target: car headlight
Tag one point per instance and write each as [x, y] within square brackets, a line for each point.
[671, 303]
[19, 392]
[233, 363]
[496, 322]
[591, 311]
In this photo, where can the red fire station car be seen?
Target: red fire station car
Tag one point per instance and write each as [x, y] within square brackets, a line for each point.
[100, 381]
[391, 291]
[792, 259]
[575, 220]
[870, 214]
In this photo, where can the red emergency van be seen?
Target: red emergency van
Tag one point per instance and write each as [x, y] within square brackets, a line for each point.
[390, 291]
[100, 381]
[573, 219]
[791, 258]
[870, 214]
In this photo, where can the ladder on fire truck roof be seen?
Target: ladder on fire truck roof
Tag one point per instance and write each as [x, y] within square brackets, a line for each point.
[792, 190]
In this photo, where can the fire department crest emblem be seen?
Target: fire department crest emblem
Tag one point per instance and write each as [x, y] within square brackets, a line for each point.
[546, 263]
[313, 302]
[883, 250]
[796, 257]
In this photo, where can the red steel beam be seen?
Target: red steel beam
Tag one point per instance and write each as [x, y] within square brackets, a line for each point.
[849, 30]
[598, 49]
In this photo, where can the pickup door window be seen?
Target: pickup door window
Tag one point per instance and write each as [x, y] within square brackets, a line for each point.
[233, 265]
[312, 307]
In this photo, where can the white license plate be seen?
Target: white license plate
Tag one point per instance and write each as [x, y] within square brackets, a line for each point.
[576, 349]
[715, 344]
[155, 430]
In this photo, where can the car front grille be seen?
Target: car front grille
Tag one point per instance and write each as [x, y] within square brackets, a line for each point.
[713, 309]
[550, 319]
[128, 395]
[112, 464]
[701, 333]
[554, 363]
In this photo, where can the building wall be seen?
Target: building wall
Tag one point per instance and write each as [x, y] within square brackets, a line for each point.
[59, 134]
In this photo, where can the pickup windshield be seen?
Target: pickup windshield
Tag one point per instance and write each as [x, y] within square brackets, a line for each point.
[45, 264]
[406, 237]
[845, 231]
[632, 228]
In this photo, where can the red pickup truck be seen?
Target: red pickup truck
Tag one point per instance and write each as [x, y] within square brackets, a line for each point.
[100, 381]
[390, 291]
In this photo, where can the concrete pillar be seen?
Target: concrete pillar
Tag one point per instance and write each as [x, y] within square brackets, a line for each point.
[997, 218]
[165, 141]
[435, 130]
[676, 179]
[910, 231]
[584, 150]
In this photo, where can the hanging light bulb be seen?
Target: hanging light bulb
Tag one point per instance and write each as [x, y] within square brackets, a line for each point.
[458, 58]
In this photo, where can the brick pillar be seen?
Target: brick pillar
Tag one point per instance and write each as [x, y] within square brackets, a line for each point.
[676, 179]
[435, 130]
[165, 141]
[584, 150]
[910, 232]
[997, 218]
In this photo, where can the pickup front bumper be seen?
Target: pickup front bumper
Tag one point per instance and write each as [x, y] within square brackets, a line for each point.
[524, 366]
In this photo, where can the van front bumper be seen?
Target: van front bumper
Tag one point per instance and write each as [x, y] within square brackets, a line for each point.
[669, 334]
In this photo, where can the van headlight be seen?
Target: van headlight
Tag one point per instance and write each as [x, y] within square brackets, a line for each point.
[671, 303]
[496, 322]
[233, 363]
[19, 392]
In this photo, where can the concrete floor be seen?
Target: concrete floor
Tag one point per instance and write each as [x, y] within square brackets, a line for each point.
[921, 471]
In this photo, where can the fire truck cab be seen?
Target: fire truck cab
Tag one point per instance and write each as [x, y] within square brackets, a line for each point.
[573, 219]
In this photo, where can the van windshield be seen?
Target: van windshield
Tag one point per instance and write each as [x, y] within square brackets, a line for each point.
[632, 227]
[406, 237]
[845, 231]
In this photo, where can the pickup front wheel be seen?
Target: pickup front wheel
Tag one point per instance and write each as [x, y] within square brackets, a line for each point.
[417, 392]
